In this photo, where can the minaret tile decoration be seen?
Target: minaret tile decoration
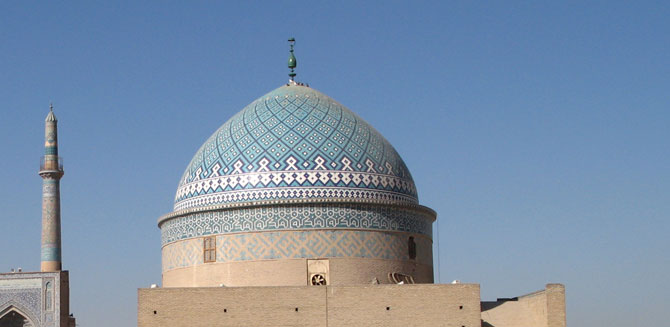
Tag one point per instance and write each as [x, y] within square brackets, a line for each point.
[51, 171]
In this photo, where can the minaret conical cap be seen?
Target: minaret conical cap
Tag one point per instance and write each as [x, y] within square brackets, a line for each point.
[51, 117]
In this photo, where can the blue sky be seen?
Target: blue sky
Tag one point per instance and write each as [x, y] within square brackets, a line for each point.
[538, 131]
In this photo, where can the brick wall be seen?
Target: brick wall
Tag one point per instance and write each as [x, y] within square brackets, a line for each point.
[370, 305]
[545, 308]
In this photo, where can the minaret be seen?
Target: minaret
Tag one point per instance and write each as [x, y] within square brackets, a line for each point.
[51, 171]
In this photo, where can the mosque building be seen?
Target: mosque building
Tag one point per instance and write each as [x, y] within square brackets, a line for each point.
[42, 299]
[297, 212]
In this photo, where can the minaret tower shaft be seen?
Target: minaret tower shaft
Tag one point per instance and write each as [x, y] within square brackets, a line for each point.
[51, 171]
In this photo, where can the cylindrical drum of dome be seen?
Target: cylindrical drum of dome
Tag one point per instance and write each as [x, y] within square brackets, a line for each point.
[293, 190]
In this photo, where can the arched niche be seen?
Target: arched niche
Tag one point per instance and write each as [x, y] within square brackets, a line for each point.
[13, 316]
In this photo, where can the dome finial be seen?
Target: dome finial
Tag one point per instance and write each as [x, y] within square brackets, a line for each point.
[51, 106]
[292, 62]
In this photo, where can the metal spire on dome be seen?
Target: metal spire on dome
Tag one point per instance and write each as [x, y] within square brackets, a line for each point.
[292, 62]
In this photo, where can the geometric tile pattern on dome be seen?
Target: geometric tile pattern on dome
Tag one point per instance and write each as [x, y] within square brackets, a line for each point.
[294, 137]
[298, 244]
[211, 197]
[278, 217]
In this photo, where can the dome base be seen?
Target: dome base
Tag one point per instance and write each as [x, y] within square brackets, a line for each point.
[294, 272]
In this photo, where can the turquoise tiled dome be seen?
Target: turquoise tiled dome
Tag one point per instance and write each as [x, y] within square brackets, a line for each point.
[295, 144]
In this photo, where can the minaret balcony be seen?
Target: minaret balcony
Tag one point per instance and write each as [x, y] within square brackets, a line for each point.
[51, 163]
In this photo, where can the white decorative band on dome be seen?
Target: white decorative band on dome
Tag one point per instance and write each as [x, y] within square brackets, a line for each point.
[287, 184]
[298, 217]
[296, 193]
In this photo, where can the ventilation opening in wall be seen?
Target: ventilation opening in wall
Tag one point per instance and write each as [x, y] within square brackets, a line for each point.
[317, 272]
[318, 279]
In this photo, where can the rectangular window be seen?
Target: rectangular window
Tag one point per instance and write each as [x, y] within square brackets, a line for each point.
[209, 249]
